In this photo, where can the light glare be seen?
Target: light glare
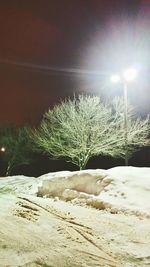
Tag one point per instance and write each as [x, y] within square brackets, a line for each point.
[115, 78]
[3, 149]
[130, 74]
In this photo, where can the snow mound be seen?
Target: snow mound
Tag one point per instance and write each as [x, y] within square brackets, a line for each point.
[130, 188]
[70, 185]
[19, 184]
[120, 188]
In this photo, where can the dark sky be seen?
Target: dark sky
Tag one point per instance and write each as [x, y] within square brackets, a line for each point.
[46, 47]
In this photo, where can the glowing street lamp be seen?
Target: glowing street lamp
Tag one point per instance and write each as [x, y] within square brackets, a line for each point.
[128, 75]
[3, 149]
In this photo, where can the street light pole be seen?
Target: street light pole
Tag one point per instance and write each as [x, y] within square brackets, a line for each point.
[125, 121]
[127, 76]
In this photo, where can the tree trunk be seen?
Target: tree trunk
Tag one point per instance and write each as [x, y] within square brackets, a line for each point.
[84, 162]
[82, 167]
[8, 171]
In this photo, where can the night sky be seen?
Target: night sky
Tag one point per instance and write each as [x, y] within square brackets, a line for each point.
[39, 36]
[50, 50]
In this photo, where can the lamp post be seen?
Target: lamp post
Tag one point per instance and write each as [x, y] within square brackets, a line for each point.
[125, 122]
[127, 76]
[3, 149]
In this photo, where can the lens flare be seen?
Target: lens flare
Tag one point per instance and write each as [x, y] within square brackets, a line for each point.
[130, 74]
[115, 78]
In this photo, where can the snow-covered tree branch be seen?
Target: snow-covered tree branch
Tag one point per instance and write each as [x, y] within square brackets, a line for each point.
[84, 127]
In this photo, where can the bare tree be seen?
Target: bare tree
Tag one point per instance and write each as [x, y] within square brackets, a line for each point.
[17, 147]
[84, 127]
[138, 130]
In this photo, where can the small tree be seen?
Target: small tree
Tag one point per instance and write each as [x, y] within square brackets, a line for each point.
[84, 127]
[81, 128]
[17, 145]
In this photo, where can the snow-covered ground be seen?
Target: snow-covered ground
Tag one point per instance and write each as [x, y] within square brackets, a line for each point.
[130, 188]
[122, 187]
[47, 231]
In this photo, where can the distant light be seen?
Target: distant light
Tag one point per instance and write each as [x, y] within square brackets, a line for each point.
[115, 78]
[130, 74]
[3, 149]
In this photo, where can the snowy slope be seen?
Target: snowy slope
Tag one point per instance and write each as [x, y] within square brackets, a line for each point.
[130, 188]
[122, 187]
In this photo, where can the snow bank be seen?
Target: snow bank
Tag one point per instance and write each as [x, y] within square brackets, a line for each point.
[19, 184]
[120, 187]
[70, 185]
[130, 188]
[125, 188]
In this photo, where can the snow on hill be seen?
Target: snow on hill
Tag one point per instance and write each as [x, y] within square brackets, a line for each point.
[122, 187]
[38, 229]
[130, 188]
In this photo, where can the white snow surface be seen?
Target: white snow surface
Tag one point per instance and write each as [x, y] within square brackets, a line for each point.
[19, 184]
[130, 188]
[80, 236]
[121, 187]
[70, 185]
